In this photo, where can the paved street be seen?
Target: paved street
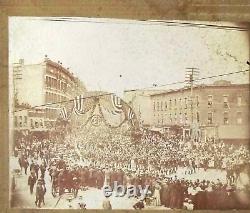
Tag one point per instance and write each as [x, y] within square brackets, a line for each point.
[92, 197]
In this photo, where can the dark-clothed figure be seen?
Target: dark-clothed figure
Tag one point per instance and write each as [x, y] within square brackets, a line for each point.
[32, 181]
[139, 205]
[40, 191]
[25, 165]
[36, 169]
[42, 169]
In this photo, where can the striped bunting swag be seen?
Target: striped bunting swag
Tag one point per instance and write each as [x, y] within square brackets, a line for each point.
[117, 104]
[78, 105]
[131, 114]
[63, 113]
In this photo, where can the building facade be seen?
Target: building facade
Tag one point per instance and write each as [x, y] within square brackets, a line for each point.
[140, 101]
[43, 84]
[219, 110]
[27, 119]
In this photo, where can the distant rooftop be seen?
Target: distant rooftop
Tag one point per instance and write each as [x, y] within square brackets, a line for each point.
[216, 84]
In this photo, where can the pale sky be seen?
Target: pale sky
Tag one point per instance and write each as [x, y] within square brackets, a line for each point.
[116, 55]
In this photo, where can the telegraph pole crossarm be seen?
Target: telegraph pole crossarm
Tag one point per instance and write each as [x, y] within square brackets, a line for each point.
[191, 75]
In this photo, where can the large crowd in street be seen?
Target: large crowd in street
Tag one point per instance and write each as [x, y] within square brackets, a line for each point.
[96, 158]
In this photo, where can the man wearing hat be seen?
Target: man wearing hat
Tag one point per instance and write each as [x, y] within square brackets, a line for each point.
[40, 191]
[32, 181]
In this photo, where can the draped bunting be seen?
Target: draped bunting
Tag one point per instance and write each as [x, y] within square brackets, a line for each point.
[89, 117]
[110, 109]
[117, 103]
[131, 116]
[82, 104]
[78, 105]
[105, 119]
[65, 112]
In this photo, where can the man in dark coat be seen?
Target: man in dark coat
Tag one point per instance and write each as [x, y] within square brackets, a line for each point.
[25, 165]
[32, 181]
[42, 169]
[76, 184]
[61, 182]
[32, 166]
[40, 191]
[99, 179]
[164, 194]
[36, 169]
[120, 175]
[200, 199]
[173, 196]
[113, 178]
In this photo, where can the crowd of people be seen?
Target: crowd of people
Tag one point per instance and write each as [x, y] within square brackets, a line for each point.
[100, 157]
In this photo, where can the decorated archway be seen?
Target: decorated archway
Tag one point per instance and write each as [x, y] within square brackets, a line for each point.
[95, 112]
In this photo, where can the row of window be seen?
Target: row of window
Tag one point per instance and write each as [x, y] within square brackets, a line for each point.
[225, 118]
[163, 106]
[52, 98]
[184, 119]
[22, 121]
[225, 101]
[55, 84]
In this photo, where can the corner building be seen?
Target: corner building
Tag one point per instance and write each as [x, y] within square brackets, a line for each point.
[45, 83]
[219, 110]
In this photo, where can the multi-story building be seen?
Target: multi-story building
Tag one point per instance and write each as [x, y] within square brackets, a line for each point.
[45, 83]
[140, 101]
[27, 119]
[218, 110]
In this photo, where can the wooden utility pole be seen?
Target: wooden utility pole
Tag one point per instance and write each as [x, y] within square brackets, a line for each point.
[191, 74]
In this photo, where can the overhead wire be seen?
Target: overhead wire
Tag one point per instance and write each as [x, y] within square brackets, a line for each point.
[198, 79]
[178, 82]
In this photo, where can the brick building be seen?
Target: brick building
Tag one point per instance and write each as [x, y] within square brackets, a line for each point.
[218, 110]
[140, 101]
[44, 83]
[27, 119]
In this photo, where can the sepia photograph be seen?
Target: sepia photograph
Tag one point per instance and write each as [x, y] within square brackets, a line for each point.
[128, 114]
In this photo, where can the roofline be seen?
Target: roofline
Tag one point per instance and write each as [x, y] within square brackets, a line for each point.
[52, 63]
[142, 90]
[66, 71]
[201, 87]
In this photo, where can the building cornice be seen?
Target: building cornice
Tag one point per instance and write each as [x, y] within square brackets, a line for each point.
[60, 67]
[203, 87]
